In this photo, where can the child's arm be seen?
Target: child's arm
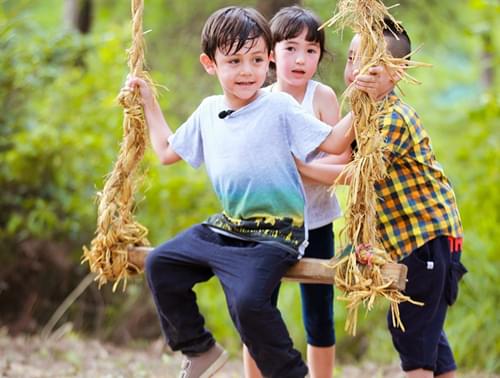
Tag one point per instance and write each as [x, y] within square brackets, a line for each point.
[341, 159]
[159, 131]
[323, 173]
[376, 83]
[327, 108]
[340, 138]
[326, 105]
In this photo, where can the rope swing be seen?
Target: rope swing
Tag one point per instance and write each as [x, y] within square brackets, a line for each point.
[358, 272]
[117, 229]
[120, 244]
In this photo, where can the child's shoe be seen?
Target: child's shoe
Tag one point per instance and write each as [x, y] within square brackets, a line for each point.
[204, 365]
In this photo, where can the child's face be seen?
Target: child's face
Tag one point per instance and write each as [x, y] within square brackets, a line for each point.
[296, 59]
[242, 73]
[383, 81]
[352, 63]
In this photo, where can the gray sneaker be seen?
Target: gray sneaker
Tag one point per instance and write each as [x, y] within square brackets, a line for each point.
[204, 365]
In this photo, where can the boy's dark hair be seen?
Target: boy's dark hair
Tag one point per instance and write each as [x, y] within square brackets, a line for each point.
[289, 22]
[231, 28]
[398, 40]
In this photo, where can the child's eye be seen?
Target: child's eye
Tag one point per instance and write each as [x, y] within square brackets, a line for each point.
[258, 59]
[290, 48]
[234, 61]
[312, 51]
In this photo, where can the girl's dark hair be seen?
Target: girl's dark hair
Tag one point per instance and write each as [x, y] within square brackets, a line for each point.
[230, 28]
[289, 22]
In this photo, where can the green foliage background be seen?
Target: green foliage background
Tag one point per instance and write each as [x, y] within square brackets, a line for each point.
[60, 131]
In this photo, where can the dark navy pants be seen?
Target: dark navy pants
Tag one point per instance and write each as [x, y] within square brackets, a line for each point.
[317, 299]
[249, 273]
[434, 270]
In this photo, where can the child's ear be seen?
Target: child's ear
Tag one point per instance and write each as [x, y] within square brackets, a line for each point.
[207, 63]
[271, 57]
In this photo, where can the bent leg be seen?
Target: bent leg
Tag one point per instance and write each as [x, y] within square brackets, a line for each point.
[445, 366]
[172, 269]
[423, 347]
[249, 275]
[250, 368]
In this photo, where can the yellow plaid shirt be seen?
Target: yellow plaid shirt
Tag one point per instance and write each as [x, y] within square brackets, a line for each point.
[416, 201]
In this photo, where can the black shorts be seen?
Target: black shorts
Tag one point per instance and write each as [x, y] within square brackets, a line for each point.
[434, 270]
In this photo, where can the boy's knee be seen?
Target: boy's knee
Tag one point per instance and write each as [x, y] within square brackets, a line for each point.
[156, 269]
[151, 262]
[248, 306]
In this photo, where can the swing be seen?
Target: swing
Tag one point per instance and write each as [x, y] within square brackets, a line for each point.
[120, 245]
[307, 270]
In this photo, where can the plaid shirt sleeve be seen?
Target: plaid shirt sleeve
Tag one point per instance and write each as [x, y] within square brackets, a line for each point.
[396, 136]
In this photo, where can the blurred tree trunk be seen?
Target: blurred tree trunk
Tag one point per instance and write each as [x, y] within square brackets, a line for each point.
[269, 7]
[78, 15]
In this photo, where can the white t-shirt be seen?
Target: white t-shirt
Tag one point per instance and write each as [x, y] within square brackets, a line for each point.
[322, 206]
[249, 157]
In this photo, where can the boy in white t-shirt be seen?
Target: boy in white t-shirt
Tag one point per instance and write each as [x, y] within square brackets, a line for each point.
[248, 139]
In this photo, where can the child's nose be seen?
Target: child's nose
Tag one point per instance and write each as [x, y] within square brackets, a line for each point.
[246, 69]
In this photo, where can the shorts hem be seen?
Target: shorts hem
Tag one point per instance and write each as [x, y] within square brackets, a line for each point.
[324, 344]
[446, 369]
[415, 366]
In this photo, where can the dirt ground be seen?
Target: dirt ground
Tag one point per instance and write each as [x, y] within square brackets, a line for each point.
[67, 355]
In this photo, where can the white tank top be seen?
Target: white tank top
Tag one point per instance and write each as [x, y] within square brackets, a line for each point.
[322, 207]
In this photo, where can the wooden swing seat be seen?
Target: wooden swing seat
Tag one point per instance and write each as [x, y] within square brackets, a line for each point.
[307, 270]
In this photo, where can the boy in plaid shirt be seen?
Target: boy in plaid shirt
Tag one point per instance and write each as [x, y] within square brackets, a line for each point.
[418, 219]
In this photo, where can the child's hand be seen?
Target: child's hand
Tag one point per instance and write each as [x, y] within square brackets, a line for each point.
[146, 93]
[301, 166]
[370, 81]
[378, 81]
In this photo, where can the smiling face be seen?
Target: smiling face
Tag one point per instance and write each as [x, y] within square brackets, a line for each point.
[296, 60]
[241, 73]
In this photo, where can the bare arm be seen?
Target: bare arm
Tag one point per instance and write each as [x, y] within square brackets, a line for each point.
[159, 131]
[326, 108]
[376, 83]
[323, 173]
[343, 158]
[340, 138]
[326, 105]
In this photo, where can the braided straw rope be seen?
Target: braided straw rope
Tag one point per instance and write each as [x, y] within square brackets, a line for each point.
[117, 229]
[358, 274]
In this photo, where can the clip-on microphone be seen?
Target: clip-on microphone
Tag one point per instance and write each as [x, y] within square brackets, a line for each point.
[223, 114]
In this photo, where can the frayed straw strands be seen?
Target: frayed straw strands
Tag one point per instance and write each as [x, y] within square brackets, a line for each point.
[358, 273]
[117, 229]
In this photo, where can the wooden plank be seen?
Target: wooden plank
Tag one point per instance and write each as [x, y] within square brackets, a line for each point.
[307, 270]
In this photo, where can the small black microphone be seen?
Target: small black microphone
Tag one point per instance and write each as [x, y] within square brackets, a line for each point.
[225, 113]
